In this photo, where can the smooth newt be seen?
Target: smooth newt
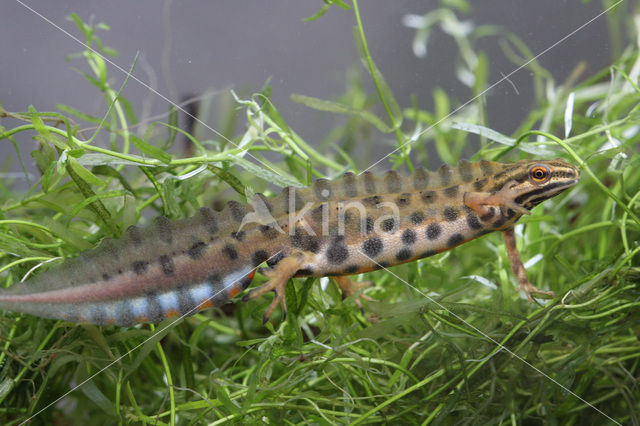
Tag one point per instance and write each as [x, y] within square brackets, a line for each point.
[333, 228]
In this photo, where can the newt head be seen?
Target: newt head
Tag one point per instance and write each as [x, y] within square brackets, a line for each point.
[541, 180]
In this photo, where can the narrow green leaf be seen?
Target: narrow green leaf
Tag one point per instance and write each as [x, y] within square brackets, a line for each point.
[80, 114]
[484, 132]
[150, 150]
[48, 176]
[128, 109]
[229, 178]
[6, 386]
[102, 69]
[384, 91]
[170, 201]
[97, 159]
[320, 13]
[329, 106]
[268, 175]
[105, 170]
[38, 123]
[223, 396]
[91, 391]
[83, 173]
[43, 156]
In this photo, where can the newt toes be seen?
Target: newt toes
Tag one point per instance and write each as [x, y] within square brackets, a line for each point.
[334, 228]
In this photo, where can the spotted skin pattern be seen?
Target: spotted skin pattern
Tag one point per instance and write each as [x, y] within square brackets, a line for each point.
[333, 228]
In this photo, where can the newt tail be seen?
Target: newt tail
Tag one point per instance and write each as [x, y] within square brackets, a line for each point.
[333, 228]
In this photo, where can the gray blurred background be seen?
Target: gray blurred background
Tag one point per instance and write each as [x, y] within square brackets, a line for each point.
[189, 47]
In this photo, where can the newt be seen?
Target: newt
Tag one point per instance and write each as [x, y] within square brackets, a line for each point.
[333, 228]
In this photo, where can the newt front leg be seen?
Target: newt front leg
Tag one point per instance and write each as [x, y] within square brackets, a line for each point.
[482, 204]
[518, 268]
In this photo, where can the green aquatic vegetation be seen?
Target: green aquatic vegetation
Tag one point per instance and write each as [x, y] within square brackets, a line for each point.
[449, 339]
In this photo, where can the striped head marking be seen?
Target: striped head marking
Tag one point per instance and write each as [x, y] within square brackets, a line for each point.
[536, 181]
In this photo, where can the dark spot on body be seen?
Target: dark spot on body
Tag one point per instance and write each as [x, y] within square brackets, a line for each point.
[445, 172]
[403, 199]
[196, 251]
[454, 240]
[351, 269]
[230, 251]
[154, 310]
[416, 218]
[337, 253]
[237, 210]
[389, 225]
[500, 222]
[373, 246]
[451, 191]
[258, 257]
[134, 234]
[369, 182]
[472, 221]
[166, 263]
[348, 217]
[465, 170]
[409, 237]
[392, 181]
[238, 235]
[404, 254]
[164, 229]
[373, 201]
[273, 261]
[186, 305]
[488, 215]
[479, 184]
[383, 264]
[214, 279]
[349, 182]
[208, 220]
[428, 197]
[123, 313]
[302, 240]
[367, 225]
[450, 214]
[420, 179]
[140, 266]
[269, 232]
[486, 167]
[304, 272]
[433, 231]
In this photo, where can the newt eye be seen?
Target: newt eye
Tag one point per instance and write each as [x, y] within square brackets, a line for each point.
[539, 173]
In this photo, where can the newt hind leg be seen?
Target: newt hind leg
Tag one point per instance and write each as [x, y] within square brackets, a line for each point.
[278, 276]
[518, 268]
[350, 287]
